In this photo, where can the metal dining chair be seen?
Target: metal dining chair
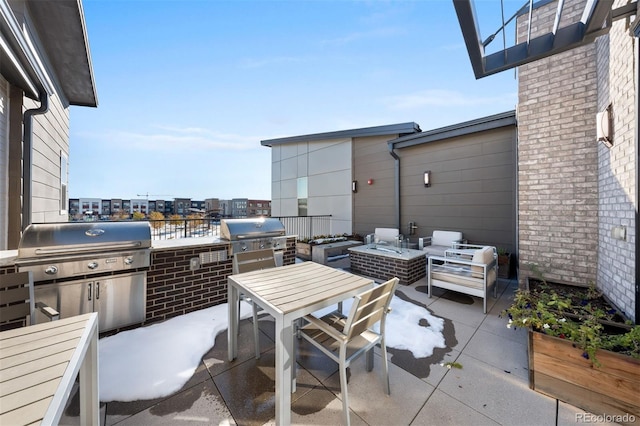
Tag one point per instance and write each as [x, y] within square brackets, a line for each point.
[345, 339]
[249, 261]
[17, 301]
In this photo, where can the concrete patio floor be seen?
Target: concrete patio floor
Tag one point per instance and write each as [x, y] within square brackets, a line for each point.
[490, 389]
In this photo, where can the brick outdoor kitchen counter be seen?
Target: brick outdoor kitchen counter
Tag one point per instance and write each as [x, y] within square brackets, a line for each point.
[384, 263]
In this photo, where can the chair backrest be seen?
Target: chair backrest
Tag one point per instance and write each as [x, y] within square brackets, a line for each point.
[254, 260]
[445, 238]
[16, 297]
[368, 308]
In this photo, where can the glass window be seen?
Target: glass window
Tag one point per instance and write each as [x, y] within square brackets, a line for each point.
[303, 194]
[64, 182]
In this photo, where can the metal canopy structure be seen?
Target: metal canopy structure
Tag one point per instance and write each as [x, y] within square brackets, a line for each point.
[545, 38]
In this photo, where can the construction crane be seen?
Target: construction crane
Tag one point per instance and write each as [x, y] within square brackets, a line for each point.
[153, 195]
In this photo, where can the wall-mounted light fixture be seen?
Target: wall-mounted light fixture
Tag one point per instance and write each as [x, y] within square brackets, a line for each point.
[427, 178]
[354, 186]
[604, 127]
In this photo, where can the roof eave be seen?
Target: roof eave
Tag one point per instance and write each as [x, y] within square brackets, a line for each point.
[63, 33]
[490, 122]
[390, 129]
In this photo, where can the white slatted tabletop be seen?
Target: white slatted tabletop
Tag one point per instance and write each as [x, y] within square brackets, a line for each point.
[288, 293]
[39, 365]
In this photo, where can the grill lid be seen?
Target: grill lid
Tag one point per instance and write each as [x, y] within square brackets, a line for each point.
[49, 239]
[260, 227]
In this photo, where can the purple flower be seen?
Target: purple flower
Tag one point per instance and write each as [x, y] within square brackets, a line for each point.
[611, 311]
[585, 355]
[584, 302]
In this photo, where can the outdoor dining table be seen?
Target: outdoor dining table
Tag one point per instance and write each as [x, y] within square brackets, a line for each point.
[38, 368]
[288, 293]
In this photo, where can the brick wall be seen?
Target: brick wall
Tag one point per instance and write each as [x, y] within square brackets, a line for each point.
[558, 162]
[174, 289]
[616, 165]
[385, 268]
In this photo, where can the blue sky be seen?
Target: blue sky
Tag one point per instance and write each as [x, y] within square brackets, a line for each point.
[188, 89]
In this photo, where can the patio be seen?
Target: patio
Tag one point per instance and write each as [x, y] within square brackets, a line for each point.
[491, 388]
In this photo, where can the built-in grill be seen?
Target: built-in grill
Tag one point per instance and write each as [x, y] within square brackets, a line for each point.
[81, 267]
[253, 234]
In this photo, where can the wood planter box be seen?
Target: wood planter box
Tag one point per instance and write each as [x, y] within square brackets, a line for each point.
[504, 265]
[303, 250]
[557, 369]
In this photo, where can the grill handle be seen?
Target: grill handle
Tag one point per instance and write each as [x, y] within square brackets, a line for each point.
[49, 251]
[257, 236]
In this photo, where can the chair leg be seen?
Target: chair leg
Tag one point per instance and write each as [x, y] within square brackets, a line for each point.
[385, 367]
[343, 385]
[256, 331]
[239, 307]
[369, 360]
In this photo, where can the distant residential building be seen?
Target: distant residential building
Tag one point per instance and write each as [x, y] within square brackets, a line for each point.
[258, 208]
[198, 206]
[239, 207]
[212, 206]
[106, 208]
[181, 206]
[225, 208]
[140, 206]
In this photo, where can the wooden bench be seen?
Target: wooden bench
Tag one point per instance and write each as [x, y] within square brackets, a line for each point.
[321, 253]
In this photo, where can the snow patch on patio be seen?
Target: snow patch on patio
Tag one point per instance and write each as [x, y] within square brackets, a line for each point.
[156, 361]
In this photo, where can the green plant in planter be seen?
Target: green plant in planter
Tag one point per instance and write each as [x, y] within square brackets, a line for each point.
[576, 317]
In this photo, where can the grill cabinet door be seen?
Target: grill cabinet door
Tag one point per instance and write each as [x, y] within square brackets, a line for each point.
[70, 299]
[120, 300]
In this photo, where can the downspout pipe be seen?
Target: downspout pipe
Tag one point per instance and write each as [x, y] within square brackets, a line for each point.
[396, 181]
[27, 157]
[635, 32]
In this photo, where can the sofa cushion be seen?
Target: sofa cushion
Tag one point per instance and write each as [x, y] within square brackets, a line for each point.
[461, 275]
[435, 250]
[445, 238]
[484, 256]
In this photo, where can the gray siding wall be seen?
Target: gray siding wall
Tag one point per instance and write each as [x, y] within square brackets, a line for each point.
[373, 205]
[472, 187]
[50, 139]
[616, 166]
[558, 163]
[4, 161]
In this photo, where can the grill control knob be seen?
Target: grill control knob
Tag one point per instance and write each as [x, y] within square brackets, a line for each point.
[92, 265]
[128, 260]
[51, 270]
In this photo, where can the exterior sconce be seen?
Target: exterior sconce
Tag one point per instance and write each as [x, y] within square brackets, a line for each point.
[354, 186]
[427, 178]
[604, 127]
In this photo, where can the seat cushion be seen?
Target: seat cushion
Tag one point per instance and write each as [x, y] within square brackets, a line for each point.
[435, 250]
[484, 256]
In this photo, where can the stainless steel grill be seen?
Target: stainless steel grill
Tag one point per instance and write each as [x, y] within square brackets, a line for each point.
[82, 267]
[253, 234]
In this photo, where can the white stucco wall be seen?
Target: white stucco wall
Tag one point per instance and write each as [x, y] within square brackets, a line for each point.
[327, 166]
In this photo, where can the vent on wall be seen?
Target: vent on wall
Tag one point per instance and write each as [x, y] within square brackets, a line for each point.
[604, 128]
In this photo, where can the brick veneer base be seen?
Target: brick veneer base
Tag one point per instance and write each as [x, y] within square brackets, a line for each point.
[384, 268]
[174, 289]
